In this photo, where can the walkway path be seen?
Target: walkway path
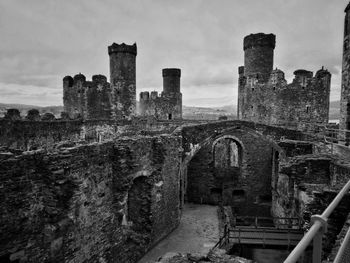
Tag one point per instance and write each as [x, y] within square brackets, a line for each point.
[198, 232]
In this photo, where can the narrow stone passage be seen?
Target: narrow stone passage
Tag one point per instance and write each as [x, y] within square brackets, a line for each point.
[198, 232]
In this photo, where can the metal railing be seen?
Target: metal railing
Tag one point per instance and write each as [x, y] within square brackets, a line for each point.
[316, 231]
[260, 236]
[267, 222]
[343, 254]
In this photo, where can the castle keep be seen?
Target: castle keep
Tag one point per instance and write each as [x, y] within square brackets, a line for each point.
[168, 105]
[265, 96]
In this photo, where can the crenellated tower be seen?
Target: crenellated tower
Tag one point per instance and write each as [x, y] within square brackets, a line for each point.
[123, 80]
[265, 96]
[167, 106]
[258, 64]
[258, 55]
[344, 123]
[171, 92]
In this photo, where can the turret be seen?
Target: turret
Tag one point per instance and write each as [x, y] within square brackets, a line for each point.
[171, 80]
[302, 76]
[70, 95]
[98, 101]
[144, 95]
[277, 76]
[258, 54]
[80, 106]
[241, 71]
[33, 115]
[154, 95]
[13, 115]
[99, 79]
[123, 79]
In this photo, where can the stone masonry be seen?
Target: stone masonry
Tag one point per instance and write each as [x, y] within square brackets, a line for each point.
[265, 96]
[168, 105]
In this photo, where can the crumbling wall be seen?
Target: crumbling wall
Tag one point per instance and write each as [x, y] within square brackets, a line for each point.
[87, 99]
[265, 96]
[167, 106]
[71, 205]
[164, 107]
[306, 185]
[31, 135]
[344, 122]
[244, 186]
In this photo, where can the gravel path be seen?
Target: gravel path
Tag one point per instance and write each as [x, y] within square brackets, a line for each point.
[198, 232]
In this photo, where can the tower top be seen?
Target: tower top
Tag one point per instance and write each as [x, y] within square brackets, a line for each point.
[122, 48]
[260, 40]
[347, 8]
[175, 72]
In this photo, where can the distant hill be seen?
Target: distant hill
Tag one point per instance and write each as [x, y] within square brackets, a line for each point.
[208, 113]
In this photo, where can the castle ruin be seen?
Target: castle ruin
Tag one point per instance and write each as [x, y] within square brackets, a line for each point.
[104, 185]
[168, 105]
[265, 96]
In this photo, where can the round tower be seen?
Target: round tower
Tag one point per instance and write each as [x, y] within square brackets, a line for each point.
[122, 60]
[258, 54]
[171, 80]
[70, 96]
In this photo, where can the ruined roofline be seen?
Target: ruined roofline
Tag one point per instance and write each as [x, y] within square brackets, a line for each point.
[122, 48]
[98, 78]
[259, 40]
[298, 72]
[174, 72]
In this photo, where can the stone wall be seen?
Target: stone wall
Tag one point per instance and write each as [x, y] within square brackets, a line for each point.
[30, 135]
[72, 205]
[87, 99]
[306, 185]
[244, 185]
[167, 106]
[265, 96]
[344, 122]
[164, 107]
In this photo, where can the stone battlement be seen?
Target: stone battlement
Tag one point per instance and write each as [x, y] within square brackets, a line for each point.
[174, 72]
[259, 40]
[122, 48]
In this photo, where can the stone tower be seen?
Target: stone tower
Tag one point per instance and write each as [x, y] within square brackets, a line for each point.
[344, 122]
[258, 64]
[171, 92]
[258, 54]
[123, 80]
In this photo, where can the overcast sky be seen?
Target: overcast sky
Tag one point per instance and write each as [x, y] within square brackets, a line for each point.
[44, 40]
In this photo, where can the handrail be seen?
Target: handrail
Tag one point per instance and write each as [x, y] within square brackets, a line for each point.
[316, 231]
[342, 250]
[255, 221]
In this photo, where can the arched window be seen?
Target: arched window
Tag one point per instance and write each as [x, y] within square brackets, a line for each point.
[227, 153]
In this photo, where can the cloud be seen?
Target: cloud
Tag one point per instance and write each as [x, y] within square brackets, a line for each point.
[28, 94]
[42, 41]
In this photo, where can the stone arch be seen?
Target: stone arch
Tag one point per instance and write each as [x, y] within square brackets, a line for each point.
[248, 188]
